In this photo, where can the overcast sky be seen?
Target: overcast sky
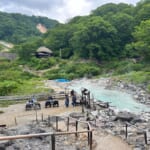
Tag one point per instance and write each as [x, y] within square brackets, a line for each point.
[61, 10]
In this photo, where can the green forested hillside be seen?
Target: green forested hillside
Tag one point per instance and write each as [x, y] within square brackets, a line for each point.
[114, 40]
[17, 28]
[112, 31]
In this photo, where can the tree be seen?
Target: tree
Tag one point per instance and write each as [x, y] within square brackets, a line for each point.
[124, 24]
[142, 11]
[111, 8]
[142, 39]
[58, 38]
[104, 9]
[95, 38]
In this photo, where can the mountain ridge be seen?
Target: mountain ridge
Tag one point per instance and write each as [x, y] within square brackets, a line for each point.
[17, 28]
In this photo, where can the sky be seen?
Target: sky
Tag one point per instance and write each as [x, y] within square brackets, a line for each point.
[61, 10]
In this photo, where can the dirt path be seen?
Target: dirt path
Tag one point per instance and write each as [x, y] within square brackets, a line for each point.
[103, 140]
[16, 114]
[22, 116]
[106, 141]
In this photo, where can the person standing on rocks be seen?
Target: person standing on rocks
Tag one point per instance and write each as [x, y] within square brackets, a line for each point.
[66, 100]
[72, 93]
[74, 99]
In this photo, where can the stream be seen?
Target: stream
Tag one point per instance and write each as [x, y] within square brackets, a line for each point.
[117, 99]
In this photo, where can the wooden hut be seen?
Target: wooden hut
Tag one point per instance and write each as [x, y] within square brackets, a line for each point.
[43, 52]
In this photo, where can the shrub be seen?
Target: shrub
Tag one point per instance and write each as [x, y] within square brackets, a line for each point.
[73, 70]
[148, 88]
[42, 63]
[1, 111]
[7, 87]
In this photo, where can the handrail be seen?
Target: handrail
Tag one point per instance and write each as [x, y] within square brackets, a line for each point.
[90, 128]
[144, 132]
[25, 97]
[134, 126]
[53, 134]
[77, 120]
[3, 138]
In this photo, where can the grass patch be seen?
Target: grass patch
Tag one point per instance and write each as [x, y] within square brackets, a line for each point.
[32, 86]
[72, 70]
[139, 77]
[23, 87]
[6, 103]
[148, 88]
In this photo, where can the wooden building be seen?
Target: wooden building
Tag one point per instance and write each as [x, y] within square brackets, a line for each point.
[43, 52]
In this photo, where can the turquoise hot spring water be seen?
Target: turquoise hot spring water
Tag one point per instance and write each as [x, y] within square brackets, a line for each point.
[117, 99]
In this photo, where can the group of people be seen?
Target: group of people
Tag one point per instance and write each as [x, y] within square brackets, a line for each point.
[32, 101]
[73, 95]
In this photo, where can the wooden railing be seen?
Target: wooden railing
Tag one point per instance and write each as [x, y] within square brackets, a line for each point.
[144, 132]
[89, 132]
[38, 96]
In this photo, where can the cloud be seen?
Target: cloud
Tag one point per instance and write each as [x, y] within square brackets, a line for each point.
[56, 9]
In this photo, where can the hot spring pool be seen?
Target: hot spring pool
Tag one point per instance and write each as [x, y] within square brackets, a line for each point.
[119, 100]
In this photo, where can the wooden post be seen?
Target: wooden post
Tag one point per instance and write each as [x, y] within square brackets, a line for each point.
[68, 124]
[145, 137]
[15, 121]
[56, 123]
[49, 121]
[89, 99]
[36, 115]
[82, 99]
[88, 135]
[42, 117]
[91, 140]
[126, 131]
[53, 141]
[82, 107]
[76, 128]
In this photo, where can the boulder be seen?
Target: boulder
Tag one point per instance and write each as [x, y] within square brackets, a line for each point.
[124, 116]
[76, 115]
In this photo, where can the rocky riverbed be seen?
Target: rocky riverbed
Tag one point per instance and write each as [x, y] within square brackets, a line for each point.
[63, 142]
[118, 122]
[138, 92]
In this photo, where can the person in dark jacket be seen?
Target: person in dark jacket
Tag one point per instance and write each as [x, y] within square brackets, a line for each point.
[74, 99]
[66, 100]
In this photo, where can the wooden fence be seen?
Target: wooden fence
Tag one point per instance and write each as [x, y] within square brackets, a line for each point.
[127, 125]
[89, 131]
[38, 96]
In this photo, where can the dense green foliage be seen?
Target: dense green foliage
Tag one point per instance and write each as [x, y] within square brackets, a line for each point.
[142, 39]
[112, 31]
[18, 28]
[15, 80]
[73, 70]
[114, 40]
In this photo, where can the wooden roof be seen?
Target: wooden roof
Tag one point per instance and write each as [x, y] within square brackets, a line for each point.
[44, 49]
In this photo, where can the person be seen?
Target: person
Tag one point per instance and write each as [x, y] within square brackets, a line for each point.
[50, 98]
[34, 100]
[67, 100]
[74, 100]
[72, 92]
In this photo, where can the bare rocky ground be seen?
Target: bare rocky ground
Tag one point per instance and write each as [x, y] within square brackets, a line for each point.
[19, 121]
[24, 124]
[63, 142]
